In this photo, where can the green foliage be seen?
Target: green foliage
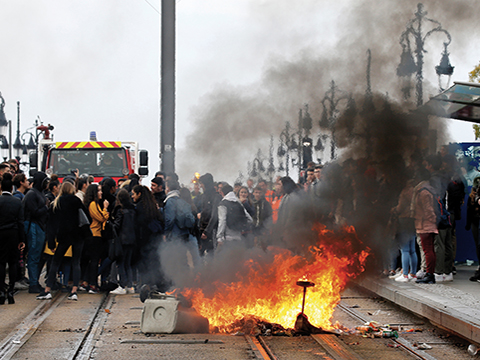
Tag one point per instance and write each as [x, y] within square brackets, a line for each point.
[476, 129]
[474, 75]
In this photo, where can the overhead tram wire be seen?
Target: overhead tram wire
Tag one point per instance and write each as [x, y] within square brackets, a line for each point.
[154, 8]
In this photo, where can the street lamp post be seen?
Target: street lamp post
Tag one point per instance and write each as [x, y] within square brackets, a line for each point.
[17, 145]
[257, 165]
[330, 103]
[287, 143]
[408, 65]
[5, 143]
[271, 165]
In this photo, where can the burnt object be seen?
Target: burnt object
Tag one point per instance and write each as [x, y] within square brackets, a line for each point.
[304, 327]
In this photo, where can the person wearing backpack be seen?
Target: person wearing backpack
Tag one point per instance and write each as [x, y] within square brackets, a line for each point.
[179, 220]
[233, 220]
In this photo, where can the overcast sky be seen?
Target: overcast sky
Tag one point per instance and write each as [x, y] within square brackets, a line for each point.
[94, 65]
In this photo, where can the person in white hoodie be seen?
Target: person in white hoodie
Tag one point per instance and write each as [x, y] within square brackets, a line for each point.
[233, 220]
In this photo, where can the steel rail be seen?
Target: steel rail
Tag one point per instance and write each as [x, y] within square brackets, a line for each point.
[87, 345]
[404, 344]
[258, 350]
[336, 349]
[14, 341]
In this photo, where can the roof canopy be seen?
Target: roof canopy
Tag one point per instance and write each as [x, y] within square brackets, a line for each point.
[461, 101]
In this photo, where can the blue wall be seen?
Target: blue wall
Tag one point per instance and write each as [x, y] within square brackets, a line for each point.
[465, 245]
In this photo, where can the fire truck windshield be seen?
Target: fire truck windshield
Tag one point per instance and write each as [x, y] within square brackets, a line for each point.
[96, 162]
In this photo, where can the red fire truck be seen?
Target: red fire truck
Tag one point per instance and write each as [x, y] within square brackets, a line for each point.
[115, 159]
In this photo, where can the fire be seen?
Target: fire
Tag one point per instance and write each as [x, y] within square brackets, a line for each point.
[269, 291]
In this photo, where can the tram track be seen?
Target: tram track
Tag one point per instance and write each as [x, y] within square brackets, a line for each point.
[106, 320]
[333, 347]
[82, 348]
[404, 344]
[27, 328]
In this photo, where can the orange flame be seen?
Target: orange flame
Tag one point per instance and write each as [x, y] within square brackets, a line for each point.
[269, 291]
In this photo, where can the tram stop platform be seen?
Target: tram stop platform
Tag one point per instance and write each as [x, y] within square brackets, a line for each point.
[453, 305]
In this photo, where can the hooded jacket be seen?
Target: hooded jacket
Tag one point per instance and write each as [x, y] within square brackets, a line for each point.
[35, 202]
[225, 233]
[208, 205]
[170, 212]
[424, 213]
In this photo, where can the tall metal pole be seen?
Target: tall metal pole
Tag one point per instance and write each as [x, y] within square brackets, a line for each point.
[167, 73]
[407, 65]
[10, 139]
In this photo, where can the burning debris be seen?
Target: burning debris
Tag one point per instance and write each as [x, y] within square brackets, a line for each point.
[265, 285]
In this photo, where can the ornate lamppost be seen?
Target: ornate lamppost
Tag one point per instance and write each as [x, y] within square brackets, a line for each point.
[17, 145]
[4, 123]
[257, 165]
[330, 103]
[271, 165]
[408, 65]
[287, 144]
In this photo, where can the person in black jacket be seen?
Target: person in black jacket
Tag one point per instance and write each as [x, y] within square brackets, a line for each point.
[124, 225]
[12, 237]
[36, 212]
[208, 207]
[63, 225]
[157, 186]
[262, 218]
[473, 221]
[149, 232]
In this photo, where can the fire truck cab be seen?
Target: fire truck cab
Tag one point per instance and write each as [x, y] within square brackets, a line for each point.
[115, 159]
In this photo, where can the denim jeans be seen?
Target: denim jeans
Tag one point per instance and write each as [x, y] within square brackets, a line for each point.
[409, 255]
[36, 245]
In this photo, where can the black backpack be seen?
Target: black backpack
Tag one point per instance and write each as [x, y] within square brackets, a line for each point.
[236, 218]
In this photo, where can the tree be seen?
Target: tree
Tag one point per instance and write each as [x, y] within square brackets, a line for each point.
[474, 76]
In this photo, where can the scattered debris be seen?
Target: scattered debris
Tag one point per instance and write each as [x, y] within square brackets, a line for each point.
[375, 330]
[424, 347]
[72, 330]
[472, 350]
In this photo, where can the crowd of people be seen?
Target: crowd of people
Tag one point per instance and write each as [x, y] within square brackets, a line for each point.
[107, 236]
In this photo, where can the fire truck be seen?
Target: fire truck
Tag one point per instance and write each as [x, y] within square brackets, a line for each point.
[115, 159]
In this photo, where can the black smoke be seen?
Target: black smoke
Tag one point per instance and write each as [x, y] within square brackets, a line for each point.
[381, 139]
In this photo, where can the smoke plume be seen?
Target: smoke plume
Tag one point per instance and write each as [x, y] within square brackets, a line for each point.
[231, 122]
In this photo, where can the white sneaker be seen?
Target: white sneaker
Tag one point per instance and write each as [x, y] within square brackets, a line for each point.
[421, 274]
[448, 277]
[410, 277]
[130, 290]
[119, 291]
[439, 278]
[44, 296]
[402, 278]
[398, 274]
